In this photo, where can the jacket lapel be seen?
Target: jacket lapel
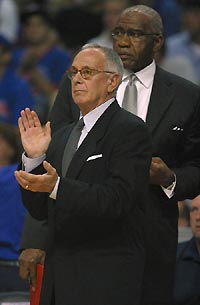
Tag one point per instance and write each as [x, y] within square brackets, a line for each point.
[161, 98]
[88, 146]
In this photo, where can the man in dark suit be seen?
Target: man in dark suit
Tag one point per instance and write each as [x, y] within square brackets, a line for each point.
[96, 253]
[170, 106]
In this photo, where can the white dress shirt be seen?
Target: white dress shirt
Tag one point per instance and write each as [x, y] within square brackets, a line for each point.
[9, 20]
[144, 83]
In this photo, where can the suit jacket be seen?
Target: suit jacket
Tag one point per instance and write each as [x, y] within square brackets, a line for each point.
[173, 120]
[97, 249]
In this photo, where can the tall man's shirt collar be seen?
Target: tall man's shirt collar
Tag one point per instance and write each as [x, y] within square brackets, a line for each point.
[144, 76]
[144, 84]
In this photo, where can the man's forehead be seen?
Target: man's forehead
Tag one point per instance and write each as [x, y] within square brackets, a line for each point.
[88, 57]
[195, 202]
[133, 19]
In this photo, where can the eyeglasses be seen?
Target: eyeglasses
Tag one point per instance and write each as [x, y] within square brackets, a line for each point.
[194, 210]
[86, 73]
[135, 35]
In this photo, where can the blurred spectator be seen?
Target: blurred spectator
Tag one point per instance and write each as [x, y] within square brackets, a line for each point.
[170, 12]
[111, 12]
[187, 43]
[15, 93]
[11, 211]
[40, 60]
[76, 24]
[9, 20]
[42, 3]
[56, 4]
[184, 216]
[179, 65]
[187, 277]
[184, 229]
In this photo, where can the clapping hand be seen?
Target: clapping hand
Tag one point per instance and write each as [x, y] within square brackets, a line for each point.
[38, 183]
[35, 138]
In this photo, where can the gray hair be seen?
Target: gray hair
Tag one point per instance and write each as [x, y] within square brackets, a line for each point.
[113, 61]
[154, 17]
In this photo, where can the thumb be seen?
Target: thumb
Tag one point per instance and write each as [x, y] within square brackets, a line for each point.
[47, 128]
[50, 169]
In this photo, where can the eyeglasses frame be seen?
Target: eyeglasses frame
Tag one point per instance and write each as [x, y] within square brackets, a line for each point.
[87, 78]
[117, 37]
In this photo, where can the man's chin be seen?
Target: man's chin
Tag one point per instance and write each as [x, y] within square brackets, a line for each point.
[127, 64]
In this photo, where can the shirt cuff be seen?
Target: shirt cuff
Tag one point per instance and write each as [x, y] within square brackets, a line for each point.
[31, 163]
[53, 194]
[169, 191]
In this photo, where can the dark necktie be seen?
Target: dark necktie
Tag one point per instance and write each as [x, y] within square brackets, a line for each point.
[130, 96]
[71, 145]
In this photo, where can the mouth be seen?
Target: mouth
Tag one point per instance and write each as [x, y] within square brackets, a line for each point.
[78, 91]
[124, 56]
[197, 228]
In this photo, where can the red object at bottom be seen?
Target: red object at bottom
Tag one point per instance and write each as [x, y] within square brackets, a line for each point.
[35, 295]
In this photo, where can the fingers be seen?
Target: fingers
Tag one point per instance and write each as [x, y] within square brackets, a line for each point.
[28, 119]
[38, 183]
[22, 178]
[27, 266]
[29, 181]
[21, 126]
[156, 160]
[156, 163]
[35, 119]
[23, 271]
[28, 260]
[33, 273]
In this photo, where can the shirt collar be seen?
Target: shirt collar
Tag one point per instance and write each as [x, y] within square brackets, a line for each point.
[144, 76]
[91, 117]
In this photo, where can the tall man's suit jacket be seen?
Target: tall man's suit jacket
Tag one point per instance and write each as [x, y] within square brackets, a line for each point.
[173, 119]
[97, 250]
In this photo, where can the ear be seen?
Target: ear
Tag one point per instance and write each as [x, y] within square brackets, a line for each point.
[158, 42]
[113, 82]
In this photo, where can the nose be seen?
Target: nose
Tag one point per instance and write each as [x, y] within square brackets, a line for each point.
[77, 77]
[124, 41]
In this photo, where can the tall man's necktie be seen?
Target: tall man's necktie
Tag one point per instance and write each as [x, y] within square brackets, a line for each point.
[130, 96]
[71, 145]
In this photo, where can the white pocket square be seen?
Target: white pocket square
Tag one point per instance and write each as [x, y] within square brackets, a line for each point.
[94, 157]
[177, 128]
